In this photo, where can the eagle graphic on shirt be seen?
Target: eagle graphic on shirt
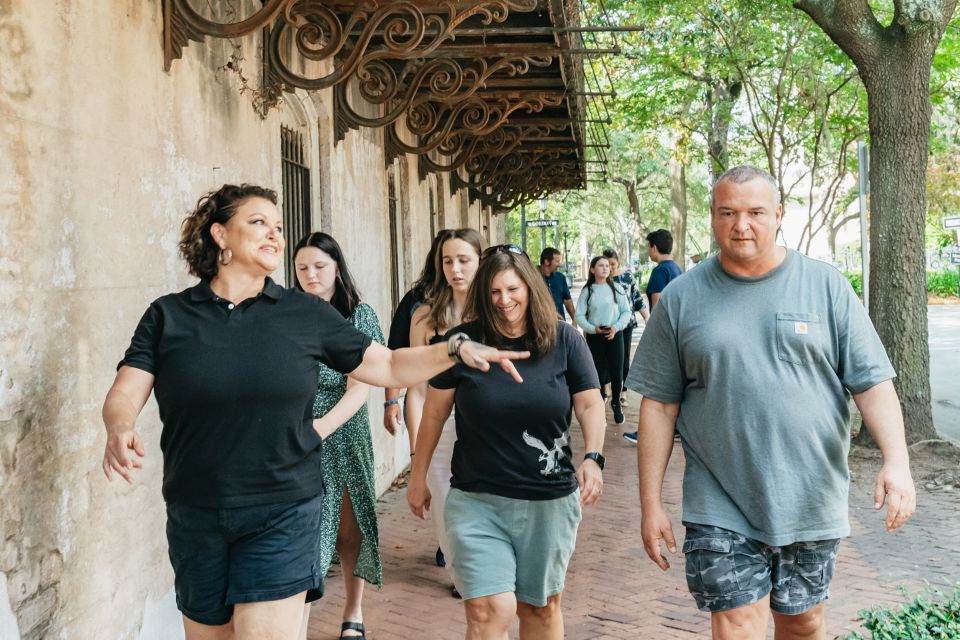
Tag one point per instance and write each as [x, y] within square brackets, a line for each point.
[550, 456]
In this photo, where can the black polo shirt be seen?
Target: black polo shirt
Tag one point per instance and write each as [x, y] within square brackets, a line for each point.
[235, 385]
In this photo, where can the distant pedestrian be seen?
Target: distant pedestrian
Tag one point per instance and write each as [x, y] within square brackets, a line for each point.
[661, 251]
[515, 503]
[752, 357]
[603, 312]
[550, 259]
[624, 278]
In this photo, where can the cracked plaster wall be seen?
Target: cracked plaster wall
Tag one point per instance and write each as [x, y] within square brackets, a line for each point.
[101, 155]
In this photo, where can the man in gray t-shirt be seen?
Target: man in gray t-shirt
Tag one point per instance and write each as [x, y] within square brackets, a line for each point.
[750, 358]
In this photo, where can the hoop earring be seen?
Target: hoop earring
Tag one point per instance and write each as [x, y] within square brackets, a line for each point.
[226, 255]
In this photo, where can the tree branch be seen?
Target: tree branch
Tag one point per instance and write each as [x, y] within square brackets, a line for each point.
[851, 24]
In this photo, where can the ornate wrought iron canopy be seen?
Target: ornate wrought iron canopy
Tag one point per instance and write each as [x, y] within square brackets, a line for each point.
[496, 92]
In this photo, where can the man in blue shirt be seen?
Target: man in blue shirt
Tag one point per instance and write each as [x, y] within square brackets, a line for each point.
[661, 252]
[556, 282]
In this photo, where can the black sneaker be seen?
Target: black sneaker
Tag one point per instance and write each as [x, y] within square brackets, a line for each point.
[631, 437]
[440, 560]
[617, 414]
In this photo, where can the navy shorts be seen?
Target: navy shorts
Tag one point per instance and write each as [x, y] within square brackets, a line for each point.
[222, 557]
[726, 570]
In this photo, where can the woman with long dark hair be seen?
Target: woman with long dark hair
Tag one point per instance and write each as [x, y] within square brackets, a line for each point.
[515, 500]
[348, 521]
[603, 311]
[400, 336]
[459, 257]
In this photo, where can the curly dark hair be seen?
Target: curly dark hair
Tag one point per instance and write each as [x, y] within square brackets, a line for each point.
[196, 244]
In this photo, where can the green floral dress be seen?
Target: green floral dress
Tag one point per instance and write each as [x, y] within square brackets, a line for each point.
[348, 464]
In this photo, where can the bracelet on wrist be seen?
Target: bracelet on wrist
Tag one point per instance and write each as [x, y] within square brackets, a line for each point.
[390, 402]
[453, 346]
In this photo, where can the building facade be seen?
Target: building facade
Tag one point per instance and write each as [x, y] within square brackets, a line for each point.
[115, 117]
[102, 153]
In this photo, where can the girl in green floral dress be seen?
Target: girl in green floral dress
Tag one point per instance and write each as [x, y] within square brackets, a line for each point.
[349, 520]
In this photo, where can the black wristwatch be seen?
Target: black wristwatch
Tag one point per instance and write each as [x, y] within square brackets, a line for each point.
[597, 457]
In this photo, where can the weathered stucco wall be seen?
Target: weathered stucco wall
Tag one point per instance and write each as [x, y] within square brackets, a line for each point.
[101, 155]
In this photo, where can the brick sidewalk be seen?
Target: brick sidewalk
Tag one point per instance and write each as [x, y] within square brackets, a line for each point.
[614, 591]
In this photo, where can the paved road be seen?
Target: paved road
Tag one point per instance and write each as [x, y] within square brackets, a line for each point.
[944, 322]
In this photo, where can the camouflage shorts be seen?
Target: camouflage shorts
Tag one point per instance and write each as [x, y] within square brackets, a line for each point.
[726, 570]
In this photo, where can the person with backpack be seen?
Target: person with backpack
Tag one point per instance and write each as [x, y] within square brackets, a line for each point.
[603, 312]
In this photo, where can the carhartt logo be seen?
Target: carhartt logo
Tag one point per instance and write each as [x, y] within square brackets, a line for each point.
[800, 327]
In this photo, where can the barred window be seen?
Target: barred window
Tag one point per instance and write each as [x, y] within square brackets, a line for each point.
[296, 194]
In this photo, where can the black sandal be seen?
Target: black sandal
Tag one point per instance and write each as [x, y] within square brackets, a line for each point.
[353, 626]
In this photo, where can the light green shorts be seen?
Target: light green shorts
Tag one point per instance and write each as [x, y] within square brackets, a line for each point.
[503, 545]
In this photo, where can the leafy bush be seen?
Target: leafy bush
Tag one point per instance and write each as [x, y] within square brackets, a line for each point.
[942, 283]
[856, 281]
[932, 615]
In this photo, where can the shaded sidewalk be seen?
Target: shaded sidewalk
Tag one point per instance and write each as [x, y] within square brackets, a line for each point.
[614, 591]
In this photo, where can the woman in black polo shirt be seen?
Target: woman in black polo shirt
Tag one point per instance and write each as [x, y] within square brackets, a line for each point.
[232, 362]
[512, 513]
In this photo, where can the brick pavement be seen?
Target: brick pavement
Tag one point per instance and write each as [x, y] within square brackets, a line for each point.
[614, 591]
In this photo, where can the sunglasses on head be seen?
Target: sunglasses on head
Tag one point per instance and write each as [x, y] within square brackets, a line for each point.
[502, 248]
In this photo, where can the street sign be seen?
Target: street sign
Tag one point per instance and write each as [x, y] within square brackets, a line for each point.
[543, 223]
[955, 258]
[951, 223]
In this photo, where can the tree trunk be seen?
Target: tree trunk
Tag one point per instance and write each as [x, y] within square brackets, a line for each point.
[898, 99]
[678, 209]
[722, 97]
[634, 201]
[894, 64]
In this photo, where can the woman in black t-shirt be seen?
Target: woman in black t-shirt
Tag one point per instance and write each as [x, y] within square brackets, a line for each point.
[513, 509]
[233, 364]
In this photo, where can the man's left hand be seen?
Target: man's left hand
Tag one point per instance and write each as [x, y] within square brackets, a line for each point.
[895, 487]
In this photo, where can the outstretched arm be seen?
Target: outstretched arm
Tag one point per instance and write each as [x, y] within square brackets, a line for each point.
[123, 404]
[406, 367]
[882, 417]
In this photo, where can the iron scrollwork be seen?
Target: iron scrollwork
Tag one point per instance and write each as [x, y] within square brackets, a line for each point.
[368, 35]
[439, 81]
[448, 129]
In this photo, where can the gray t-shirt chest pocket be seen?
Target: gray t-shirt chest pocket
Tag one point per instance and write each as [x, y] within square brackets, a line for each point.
[798, 336]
